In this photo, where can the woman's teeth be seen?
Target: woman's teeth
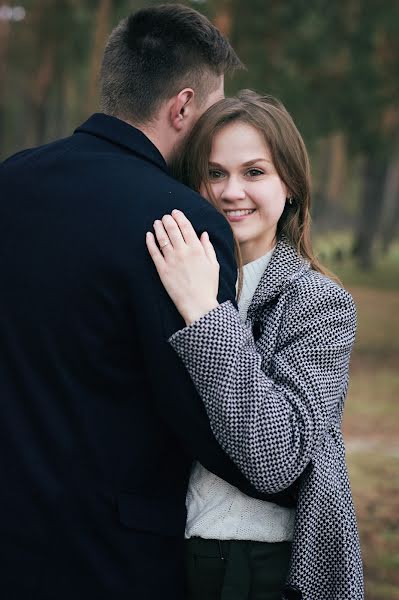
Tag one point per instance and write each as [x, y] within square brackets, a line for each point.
[239, 213]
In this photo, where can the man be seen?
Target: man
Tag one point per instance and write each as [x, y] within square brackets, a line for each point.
[99, 421]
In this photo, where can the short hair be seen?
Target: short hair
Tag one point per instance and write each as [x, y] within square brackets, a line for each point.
[157, 51]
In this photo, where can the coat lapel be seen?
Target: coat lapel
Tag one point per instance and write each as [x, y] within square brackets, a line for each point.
[285, 266]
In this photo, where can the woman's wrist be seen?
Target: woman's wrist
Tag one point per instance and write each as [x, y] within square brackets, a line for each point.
[194, 313]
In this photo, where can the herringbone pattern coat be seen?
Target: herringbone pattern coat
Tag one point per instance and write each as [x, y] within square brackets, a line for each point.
[274, 391]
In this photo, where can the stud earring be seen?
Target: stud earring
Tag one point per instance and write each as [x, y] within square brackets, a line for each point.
[290, 200]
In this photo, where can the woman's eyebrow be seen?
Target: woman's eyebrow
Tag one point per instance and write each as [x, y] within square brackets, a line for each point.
[255, 160]
[245, 164]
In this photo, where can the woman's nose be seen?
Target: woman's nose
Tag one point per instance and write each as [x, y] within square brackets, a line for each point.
[233, 190]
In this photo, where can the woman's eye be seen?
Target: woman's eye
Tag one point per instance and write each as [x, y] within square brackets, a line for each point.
[255, 172]
[215, 174]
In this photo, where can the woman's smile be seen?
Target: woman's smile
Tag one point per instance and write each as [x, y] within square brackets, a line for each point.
[234, 216]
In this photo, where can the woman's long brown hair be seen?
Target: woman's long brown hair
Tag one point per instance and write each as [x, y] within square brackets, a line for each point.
[288, 152]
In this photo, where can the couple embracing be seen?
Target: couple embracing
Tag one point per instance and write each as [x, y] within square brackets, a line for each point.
[174, 359]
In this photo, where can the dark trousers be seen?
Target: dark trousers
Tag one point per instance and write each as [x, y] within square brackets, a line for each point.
[235, 569]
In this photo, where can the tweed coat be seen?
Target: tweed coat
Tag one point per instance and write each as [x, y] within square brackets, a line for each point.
[274, 390]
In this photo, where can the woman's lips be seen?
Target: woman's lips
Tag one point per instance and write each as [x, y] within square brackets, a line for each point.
[238, 215]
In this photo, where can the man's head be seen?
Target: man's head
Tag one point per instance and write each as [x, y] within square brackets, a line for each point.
[162, 68]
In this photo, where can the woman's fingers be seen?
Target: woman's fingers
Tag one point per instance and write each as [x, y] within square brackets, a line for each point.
[173, 232]
[188, 271]
[154, 251]
[164, 242]
[187, 230]
[208, 247]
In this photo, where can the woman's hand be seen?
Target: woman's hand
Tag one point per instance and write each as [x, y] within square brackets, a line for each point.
[186, 264]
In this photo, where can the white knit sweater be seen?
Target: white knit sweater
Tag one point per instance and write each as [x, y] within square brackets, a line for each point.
[218, 510]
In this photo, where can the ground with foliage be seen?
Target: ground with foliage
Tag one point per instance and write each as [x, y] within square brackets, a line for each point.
[371, 422]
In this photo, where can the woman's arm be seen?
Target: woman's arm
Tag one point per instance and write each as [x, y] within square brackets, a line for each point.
[272, 423]
[270, 418]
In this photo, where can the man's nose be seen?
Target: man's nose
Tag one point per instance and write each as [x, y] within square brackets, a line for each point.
[233, 190]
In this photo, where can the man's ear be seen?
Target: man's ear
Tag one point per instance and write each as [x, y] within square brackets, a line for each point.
[180, 108]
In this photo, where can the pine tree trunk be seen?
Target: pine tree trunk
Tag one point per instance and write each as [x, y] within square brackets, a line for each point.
[390, 214]
[336, 179]
[370, 210]
[320, 189]
[101, 31]
[4, 41]
[40, 89]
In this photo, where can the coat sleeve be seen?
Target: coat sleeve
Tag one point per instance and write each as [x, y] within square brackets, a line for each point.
[271, 419]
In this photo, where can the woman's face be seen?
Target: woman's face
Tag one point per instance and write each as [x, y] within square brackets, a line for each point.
[247, 187]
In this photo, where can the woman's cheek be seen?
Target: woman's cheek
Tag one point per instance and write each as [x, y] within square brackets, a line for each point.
[203, 191]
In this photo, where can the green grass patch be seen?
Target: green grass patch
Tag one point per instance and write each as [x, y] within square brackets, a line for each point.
[334, 250]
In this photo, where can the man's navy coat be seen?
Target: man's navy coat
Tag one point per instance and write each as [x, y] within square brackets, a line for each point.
[99, 420]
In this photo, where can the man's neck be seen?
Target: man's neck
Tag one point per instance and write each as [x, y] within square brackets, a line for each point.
[159, 141]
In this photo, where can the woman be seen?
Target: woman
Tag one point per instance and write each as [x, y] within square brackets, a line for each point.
[273, 375]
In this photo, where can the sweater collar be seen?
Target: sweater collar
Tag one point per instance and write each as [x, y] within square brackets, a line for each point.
[285, 267]
[122, 134]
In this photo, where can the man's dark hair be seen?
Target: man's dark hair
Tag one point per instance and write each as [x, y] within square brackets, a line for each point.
[157, 51]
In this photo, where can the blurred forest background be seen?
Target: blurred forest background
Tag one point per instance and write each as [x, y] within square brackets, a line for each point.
[335, 65]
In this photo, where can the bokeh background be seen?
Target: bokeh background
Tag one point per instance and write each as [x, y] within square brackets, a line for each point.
[335, 64]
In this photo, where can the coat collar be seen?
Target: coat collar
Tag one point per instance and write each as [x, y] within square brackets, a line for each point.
[285, 266]
[121, 133]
